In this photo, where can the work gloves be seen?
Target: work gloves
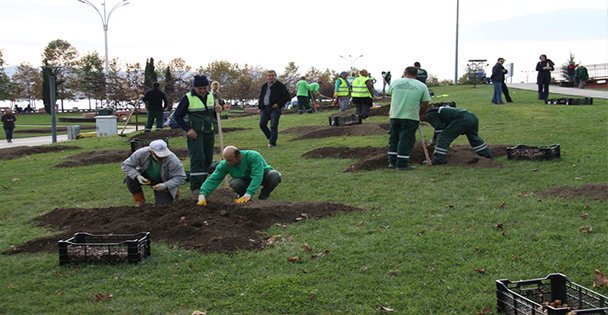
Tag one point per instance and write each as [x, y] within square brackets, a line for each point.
[202, 201]
[244, 199]
[160, 187]
[142, 180]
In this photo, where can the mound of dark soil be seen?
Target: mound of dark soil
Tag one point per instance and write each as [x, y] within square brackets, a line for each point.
[48, 130]
[221, 226]
[314, 132]
[372, 158]
[17, 152]
[152, 135]
[111, 156]
[588, 191]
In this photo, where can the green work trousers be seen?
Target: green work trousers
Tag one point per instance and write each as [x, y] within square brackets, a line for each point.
[152, 116]
[401, 139]
[200, 151]
[467, 125]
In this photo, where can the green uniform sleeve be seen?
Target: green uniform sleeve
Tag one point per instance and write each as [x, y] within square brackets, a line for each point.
[215, 179]
[257, 173]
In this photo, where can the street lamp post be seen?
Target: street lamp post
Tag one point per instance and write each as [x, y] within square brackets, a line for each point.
[351, 60]
[105, 19]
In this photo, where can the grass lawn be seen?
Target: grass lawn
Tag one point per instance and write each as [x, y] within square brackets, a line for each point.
[415, 249]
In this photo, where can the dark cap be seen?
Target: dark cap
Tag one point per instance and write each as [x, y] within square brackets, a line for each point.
[200, 80]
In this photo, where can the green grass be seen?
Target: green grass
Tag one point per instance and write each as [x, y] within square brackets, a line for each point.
[415, 249]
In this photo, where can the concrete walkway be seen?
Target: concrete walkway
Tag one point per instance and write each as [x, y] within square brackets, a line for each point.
[44, 140]
[561, 90]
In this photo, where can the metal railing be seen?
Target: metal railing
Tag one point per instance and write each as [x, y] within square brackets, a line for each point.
[597, 71]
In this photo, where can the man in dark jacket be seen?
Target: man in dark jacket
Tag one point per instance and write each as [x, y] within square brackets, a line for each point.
[8, 122]
[544, 68]
[498, 77]
[273, 96]
[154, 105]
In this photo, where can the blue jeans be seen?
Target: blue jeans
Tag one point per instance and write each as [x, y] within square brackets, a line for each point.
[272, 115]
[497, 97]
[9, 133]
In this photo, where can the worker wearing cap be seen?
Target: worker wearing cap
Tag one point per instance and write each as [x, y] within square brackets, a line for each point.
[156, 166]
[248, 170]
[409, 101]
[422, 74]
[362, 93]
[342, 91]
[200, 107]
[451, 122]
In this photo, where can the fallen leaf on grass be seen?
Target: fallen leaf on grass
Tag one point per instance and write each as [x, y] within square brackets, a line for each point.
[585, 229]
[272, 239]
[280, 225]
[323, 253]
[501, 205]
[306, 248]
[386, 309]
[485, 311]
[480, 271]
[449, 205]
[600, 280]
[393, 273]
[294, 259]
[102, 297]
[199, 313]
[15, 179]
[525, 194]
[305, 215]
[420, 233]
[499, 226]
[584, 215]
[312, 297]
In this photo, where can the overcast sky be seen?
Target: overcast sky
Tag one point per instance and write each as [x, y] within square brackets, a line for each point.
[389, 34]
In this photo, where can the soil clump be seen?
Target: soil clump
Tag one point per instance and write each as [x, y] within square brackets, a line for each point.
[587, 191]
[315, 132]
[221, 226]
[112, 156]
[17, 152]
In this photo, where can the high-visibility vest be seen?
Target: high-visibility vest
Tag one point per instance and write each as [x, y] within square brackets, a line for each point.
[196, 105]
[342, 88]
[359, 87]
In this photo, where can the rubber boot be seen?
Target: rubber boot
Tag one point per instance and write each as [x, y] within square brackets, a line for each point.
[139, 199]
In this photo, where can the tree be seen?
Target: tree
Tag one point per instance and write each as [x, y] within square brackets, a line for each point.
[117, 83]
[150, 75]
[169, 85]
[249, 82]
[62, 55]
[182, 77]
[28, 82]
[564, 69]
[91, 77]
[6, 89]
[290, 76]
[226, 74]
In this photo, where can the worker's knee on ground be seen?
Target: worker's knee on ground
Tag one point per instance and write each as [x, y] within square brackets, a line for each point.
[272, 179]
[239, 185]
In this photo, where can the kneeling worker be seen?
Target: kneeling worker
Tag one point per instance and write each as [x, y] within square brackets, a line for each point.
[249, 171]
[451, 122]
[156, 166]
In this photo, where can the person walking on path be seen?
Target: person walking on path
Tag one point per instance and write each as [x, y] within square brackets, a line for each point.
[8, 123]
[342, 91]
[273, 96]
[581, 75]
[248, 170]
[498, 78]
[362, 94]
[451, 122]
[154, 166]
[422, 74]
[154, 99]
[303, 95]
[200, 107]
[409, 100]
[544, 68]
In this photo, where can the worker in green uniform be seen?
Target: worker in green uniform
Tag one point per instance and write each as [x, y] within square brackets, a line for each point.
[248, 170]
[451, 122]
[199, 106]
[409, 100]
[302, 93]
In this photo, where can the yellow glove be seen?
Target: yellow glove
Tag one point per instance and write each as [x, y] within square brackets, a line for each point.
[244, 199]
[202, 201]
[335, 94]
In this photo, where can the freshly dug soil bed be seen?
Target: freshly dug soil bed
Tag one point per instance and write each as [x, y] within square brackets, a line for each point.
[168, 133]
[315, 132]
[112, 156]
[17, 152]
[380, 111]
[48, 130]
[221, 226]
[372, 158]
[588, 191]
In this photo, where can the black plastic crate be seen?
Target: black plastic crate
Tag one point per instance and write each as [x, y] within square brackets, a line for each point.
[570, 101]
[450, 104]
[534, 297]
[137, 144]
[105, 249]
[527, 152]
[345, 120]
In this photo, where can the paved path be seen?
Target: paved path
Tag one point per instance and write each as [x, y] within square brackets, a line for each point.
[44, 140]
[562, 90]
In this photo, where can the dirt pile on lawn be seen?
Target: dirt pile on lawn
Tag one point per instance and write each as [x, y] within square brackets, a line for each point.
[375, 111]
[17, 152]
[48, 130]
[588, 191]
[221, 226]
[153, 135]
[315, 132]
[372, 158]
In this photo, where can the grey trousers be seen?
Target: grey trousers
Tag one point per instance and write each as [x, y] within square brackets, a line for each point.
[270, 181]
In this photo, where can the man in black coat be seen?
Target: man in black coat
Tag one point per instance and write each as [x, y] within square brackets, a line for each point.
[273, 96]
[544, 68]
[154, 105]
